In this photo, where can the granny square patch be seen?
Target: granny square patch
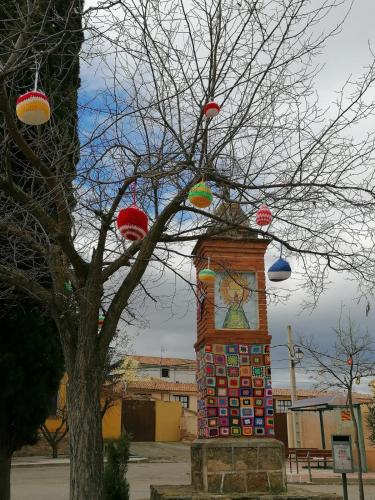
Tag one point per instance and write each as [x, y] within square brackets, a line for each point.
[247, 431]
[235, 431]
[234, 412]
[234, 421]
[268, 393]
[210, 391]
[232, 360]
[243, 349]
[222, 391]
[244, 359]
[247, 421]
[219, 359]
[245, 381]
[212, 422]
[221, 381]
[267, 359]
[208, 347]
[268, 402]
[267, 383]
[245, 371]
[218, 348]
[267, 371]
[223, 421]
[233, 371]
[231, 349]
[214, 432]
[259, 422]
[223, 412]
[220, 371]
[222, 402]
[256, 349]
[224, 431]
[233, 382]
[258, 382]
[258, 401]
[234, 402]
[246, 401]
[269, 421]
[234, 393]
[246, 392]
[209, 369]
[259, 431]
[247, 412]
[259, 412]
[257, 359]
[269, 412]
[212, 411]
[209, 357]
[266, 348]
[211, 381]
[257, 371]
[258, 393]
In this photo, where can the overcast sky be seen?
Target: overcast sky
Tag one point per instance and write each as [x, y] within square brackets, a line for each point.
[172, 329]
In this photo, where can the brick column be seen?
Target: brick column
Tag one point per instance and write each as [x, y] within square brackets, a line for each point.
[233, 344]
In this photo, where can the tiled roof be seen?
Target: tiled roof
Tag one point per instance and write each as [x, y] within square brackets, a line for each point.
[158, 361]
[310, 393]
[163, 385]
[160, 385]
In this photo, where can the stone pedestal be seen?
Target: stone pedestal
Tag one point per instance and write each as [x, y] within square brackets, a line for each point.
[238, 465]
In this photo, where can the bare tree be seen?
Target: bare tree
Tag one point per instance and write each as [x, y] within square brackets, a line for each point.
[160, 62]
[350, 359]
[54, 437]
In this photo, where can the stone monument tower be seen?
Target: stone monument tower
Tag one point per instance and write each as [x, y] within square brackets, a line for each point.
[235, 407]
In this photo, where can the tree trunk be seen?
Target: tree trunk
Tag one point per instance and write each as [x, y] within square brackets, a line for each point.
[357, 444]
[5, 463]
[54, 450]
[86, 443]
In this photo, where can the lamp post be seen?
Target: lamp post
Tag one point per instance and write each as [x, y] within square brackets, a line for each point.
[295, 357]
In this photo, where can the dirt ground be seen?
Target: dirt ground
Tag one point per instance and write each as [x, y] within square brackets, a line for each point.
[169, 463]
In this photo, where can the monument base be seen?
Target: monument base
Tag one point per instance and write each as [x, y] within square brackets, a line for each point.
[238, 465]
[188, 493]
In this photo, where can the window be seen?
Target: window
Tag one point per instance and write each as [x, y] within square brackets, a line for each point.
[184, 400]
[165, 372]
[282, 405]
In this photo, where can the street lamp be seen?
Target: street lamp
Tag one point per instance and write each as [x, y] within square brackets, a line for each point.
[297, 355]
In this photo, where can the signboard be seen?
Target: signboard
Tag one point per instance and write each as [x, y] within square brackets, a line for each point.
[342, 454]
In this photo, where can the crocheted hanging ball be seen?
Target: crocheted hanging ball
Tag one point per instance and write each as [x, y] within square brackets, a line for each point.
[349, 361]
[132, 223]
[211, 109]
[207, 276]
[279, 271]
[200, 195]
[264, 216]
[33, 108]
[101, 320]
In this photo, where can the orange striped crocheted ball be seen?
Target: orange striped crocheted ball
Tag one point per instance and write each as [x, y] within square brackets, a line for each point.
[33, 108]
[207, 276]
[200, 195]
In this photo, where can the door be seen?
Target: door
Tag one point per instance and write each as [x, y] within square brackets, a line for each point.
[281, 429]
[138, 419]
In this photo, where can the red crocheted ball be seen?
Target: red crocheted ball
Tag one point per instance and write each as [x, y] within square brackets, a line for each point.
[132, 223]
[264, 216]
[211, 109]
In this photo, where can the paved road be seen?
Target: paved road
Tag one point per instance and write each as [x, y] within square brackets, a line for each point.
[46, 483]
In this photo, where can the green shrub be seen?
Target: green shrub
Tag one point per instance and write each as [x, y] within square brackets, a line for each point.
[116, 486]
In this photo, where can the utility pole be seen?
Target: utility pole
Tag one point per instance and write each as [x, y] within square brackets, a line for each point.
[293, 389]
